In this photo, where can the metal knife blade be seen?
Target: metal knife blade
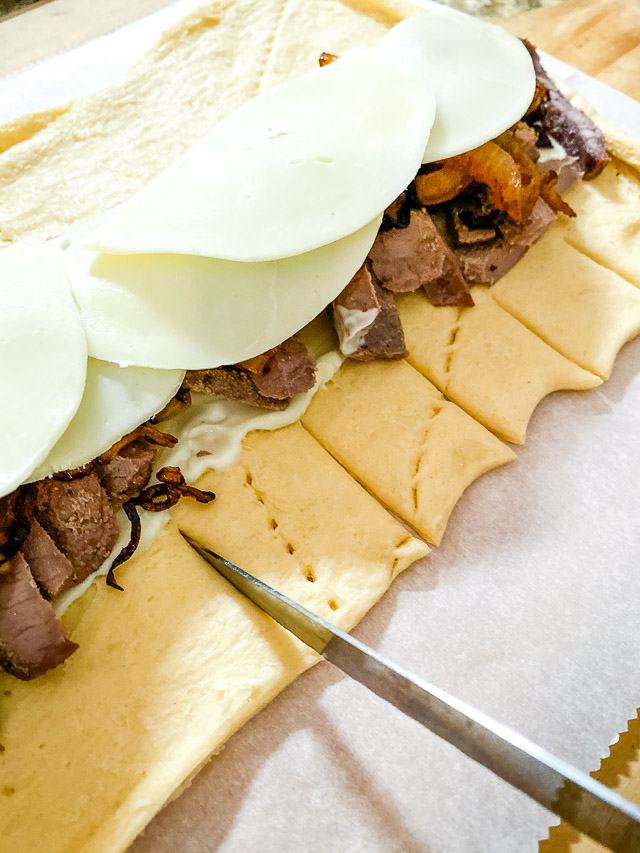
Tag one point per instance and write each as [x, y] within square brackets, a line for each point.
[586, 804]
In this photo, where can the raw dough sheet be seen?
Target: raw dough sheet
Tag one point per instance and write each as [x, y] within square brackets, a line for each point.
[528, 610]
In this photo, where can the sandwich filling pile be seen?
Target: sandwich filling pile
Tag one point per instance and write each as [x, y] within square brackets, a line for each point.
[273, 249]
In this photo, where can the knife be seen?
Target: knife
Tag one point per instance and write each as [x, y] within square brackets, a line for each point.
[589, 806]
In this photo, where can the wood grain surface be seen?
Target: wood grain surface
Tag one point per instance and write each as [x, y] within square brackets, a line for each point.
[601, 37]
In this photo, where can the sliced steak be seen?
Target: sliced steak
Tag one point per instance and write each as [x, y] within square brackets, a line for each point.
[575, 131]
[526, 138]
[485, 263]
[268, 380]
[32, 640]
[128, 473]
[385, 337]
[231, 383]
[52, 571]
[449, 288]
[79, 518]
[416, 256]
[367, 321]
[289, 371]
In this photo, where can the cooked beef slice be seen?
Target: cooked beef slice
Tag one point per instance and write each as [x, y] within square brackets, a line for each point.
[485, 263]
[526, 137]
[367, 321]
[32, 640]
[268, 380]
[124, 476]
[575, 131]
[385, 338]
[79, 518]
[416, 256]
[231, 383]
[290, 370]
[52, 571]
[360, 294]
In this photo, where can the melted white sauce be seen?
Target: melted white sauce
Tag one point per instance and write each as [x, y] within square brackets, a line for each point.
[210, 433]
[556, 152]
[355, 324]
[215, 428]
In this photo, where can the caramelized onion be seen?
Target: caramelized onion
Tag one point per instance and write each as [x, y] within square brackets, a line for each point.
[130, 548]
[147, 431]
[155, 498]
[326, 59]
[443, 183]
[258, 363]
[166, 493]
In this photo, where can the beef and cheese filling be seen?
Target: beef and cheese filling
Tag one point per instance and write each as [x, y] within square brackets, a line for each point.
[469, 219]
[464, 220]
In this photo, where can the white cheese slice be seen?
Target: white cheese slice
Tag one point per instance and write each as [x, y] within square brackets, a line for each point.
[43, 358]
[482, 77]
[116, 400]
[189, 312]
[297, 167]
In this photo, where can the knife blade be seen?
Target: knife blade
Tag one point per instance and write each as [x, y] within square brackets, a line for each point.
[588, 805]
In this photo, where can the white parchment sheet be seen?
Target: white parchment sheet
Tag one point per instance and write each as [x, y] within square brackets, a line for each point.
[528, 610]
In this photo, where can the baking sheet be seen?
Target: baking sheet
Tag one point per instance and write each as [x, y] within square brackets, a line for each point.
[528, 610]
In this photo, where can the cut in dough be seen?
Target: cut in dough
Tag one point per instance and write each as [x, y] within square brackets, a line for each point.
[486, 361]
[396, 434]
[580, 308]
[607, 227]
[168, 669]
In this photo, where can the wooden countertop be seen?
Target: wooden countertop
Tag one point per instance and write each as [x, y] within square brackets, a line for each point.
[601, 37]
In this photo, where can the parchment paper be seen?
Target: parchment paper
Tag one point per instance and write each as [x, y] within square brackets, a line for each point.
[529, 610]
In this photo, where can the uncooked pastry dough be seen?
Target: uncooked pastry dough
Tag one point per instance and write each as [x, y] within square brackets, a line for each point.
[607, 228]
[396, 434]
[169, 669]
[486, 361]
[580, 308]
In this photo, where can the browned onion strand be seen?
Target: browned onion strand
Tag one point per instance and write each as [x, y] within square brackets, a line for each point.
[130, 548]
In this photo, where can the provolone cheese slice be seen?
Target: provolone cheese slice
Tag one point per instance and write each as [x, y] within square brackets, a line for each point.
[482, 77]
[188, 312]
[115, 401]
[43, 359]
[299, 166]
